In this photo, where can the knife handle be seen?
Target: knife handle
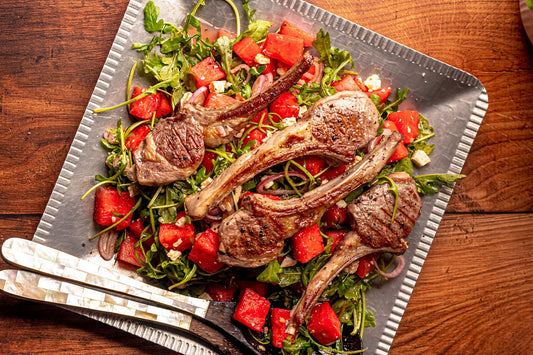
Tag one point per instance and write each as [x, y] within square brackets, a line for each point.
[33, 256]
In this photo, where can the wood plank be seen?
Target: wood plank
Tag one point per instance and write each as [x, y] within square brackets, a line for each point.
[473, 295]
[476, 37]
[473, 287]
[42, 132]
[50, 69]
[37, 329]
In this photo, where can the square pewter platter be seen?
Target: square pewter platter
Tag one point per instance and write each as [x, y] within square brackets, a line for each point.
[455, 103]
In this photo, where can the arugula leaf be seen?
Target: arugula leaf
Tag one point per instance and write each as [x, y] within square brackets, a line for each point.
[151, 13]
[290, 276]
[376, 100]
[333, 58]
[426, 148]
[313, 266]
[296, 347]
[271, 273]
[370, 320]
[345, 310]
[425, 132]
[405, 165]
[354, 194]
[257, 30]
[424, 128]
[310, 93]
[174, 44]
[429, 184]
[193, 21]
[274, 273]
[147, 48]
[391, 106]
[225, 49]
[249, 13]
[322, 44]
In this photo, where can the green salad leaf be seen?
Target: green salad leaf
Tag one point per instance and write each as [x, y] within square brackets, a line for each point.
[429, 184]
[151, 13]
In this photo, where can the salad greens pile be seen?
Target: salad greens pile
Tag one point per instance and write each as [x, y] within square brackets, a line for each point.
[166, 63]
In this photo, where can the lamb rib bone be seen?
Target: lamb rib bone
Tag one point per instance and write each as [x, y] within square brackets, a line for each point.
[221, 124]
[254, 235]
[335, 126]
[370, 216]
[175, 148]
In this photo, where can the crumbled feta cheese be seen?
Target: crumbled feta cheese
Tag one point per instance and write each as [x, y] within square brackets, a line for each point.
[341, 204]
[288, 121]
[219, 86]
[181, 222]
[288, 262]
[303, 110]
[174, 254]
[177, 243]
[185, 98]
[261, 59]
[206, 182]
[420, 158]
[324, 181]
[113, 219]
[373, 82]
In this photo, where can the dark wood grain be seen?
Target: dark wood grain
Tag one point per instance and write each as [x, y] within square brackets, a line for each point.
[474, 294]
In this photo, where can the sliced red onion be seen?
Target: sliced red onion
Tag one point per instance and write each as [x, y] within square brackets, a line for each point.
[261, 186]
[213, 215]
[308, 76]
[319, 72]
[106, 244]
[259, 84]
[397, 270]
[242, 67]
[269, 79]
[199, 96]
[212, 219]
[215, 211]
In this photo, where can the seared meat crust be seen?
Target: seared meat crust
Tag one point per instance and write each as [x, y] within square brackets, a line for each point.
[254, 235]
[371, 214]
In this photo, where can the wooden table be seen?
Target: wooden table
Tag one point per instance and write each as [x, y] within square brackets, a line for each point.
[475, 293]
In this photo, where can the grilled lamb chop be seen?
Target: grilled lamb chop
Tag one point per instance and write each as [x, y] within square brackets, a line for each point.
[172, 151]
[335, 126]
[254, 235]
[370, 216]
[175, 148]
[221, 124]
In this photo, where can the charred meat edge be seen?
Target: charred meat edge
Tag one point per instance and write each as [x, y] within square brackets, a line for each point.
[175, 147]
[221, 124]
[335, 127]
[254, 235]
[371, 214]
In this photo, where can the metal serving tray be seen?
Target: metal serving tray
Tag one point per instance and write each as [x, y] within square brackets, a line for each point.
[455, 103]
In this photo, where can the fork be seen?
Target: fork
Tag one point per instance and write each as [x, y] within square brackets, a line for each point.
[122, 295]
